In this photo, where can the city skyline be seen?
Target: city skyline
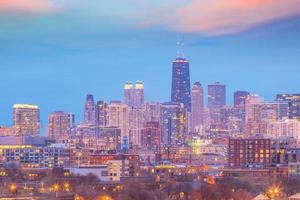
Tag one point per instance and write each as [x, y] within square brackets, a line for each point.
[78, 56]
[79, 112]
[140, 100]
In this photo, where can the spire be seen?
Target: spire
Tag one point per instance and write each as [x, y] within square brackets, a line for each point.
[180, 47]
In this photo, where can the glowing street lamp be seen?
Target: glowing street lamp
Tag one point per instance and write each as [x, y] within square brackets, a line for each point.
[67, 186]
[104, 197]
[273, 192]
[56, 189]
[13, 188]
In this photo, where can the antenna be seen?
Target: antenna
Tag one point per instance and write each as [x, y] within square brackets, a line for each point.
[180, 47]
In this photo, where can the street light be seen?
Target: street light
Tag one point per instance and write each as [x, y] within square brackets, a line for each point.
[67, 187]
[55, 189]
[13, 188]
[273, 192]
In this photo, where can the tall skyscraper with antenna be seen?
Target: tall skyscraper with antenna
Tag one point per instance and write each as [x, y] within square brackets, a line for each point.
[181, 86]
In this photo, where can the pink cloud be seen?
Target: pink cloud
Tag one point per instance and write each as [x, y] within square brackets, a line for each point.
[27, 6]
[218, 17]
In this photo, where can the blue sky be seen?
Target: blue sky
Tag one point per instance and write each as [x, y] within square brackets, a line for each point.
[52, 55]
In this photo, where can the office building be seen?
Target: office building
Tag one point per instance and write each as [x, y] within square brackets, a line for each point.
[109, 139]
[216, 100]
[216, 95]
[240, 98]
[293, 101]
[197, 107]
[101, 115]
[90, 110]
[181, 86]
[118, 116]
[59, 126]
[136, 123]
[152, 136]
[152, 112]
[174, 123]
[26, 119]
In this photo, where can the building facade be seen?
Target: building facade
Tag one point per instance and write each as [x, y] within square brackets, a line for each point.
[197, 107]
[181, 86]
[249, 153]
[26, 120]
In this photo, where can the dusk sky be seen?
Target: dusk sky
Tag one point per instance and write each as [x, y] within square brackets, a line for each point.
[54, 52]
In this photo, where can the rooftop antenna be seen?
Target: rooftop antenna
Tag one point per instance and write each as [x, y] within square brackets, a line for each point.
[180, 47]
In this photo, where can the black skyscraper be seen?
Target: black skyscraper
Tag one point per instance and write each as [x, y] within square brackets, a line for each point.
[181, 86]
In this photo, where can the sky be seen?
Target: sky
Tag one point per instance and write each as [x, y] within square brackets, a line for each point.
[54, 52]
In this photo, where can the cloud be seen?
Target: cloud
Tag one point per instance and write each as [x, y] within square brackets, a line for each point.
[208, 17]
[219, 17]
[27, 7]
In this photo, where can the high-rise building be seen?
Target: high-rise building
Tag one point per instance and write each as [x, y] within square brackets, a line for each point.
[26, 119]
[138, 94]
[240, 98]
[90, 110]
[250, 101]
[174, 123]
[129, 94]
[109, 138]
[216, 100]
[152, 112]
[118, 116]
[152, 135]
[181, 86]
[59, 126]
[293, 101]
[260, 113]
[197, 106]
[216, 95]
[233, 118]
[134, 94]
[71, 119]
[136, 124]
[286, 128]
[101, 114]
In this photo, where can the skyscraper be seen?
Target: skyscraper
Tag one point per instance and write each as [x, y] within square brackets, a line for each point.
[136, 123]
[26, 119]
[139, 94]
[216, 100]
[59, 126]
[250, 101]
[134, 94]
[101, 114]
[152, 112]
[240, 98]
[118, 116]
[197, 106]
[293, 101]
[174, 123]
[129, 94]
[181, 86]
[216, 95]
[90, 110]
[151, 135]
